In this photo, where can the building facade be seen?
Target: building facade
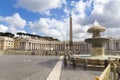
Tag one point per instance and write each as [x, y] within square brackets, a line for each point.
[38, 44]
[78, 46]
[113, 45]
[6, 43]
[31, 44]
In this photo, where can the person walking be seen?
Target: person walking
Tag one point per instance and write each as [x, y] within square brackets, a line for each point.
[73, 63]
[106, 63]
[65, 61]
[85, 64]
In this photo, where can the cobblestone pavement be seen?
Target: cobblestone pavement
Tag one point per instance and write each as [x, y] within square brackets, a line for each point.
[26, 67]
[68, 73]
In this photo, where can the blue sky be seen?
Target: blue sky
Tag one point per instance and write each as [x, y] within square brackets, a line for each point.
[51, 17]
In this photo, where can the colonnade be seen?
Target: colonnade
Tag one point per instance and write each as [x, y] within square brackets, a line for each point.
[29, 45]
[113, 45]
[81, 46]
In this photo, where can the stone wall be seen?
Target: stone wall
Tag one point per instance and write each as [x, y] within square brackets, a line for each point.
[35, 52]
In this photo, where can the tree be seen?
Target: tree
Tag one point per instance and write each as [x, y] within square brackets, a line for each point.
[20, 33]
[1, 33]
[38, 36]
[8, 34]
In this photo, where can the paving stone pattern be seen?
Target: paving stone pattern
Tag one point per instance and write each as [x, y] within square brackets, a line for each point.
[38, 68]
[69, 73]
[26, 67]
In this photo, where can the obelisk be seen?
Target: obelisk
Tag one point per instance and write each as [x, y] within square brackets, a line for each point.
[70, 35]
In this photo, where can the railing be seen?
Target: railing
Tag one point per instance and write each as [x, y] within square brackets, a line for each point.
[106, 75]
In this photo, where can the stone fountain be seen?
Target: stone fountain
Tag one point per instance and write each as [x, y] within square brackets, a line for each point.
[97, 41]
[96, 60]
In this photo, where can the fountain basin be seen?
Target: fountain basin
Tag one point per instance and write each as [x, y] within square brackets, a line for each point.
[97, 45]
[96, 40]
[93, 62]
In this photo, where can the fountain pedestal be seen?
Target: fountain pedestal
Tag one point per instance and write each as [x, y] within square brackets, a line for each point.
[98, 51]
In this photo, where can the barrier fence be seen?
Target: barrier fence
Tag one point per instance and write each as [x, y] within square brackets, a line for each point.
[106, 75]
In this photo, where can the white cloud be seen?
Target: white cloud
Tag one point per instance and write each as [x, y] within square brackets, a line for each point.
[99, 6]
[111, 14]
[105, 11]
[3, 28]
[40, 26]
[60, 29]
[50, 27]
[55, 33]
[47, 12]
[14, 22]
[109, 17]
[39, 5]
[80, 8]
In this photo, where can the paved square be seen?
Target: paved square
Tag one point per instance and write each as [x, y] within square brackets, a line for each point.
[39, 68]
[26, 67]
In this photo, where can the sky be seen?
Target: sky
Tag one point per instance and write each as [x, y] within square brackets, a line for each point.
[51, 17]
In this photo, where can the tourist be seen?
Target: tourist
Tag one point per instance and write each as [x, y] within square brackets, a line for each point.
[85, 64]
[32, 53]
[46, 53]
[56, 53]
[73, 63]
[106, 63]
[65, 61]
